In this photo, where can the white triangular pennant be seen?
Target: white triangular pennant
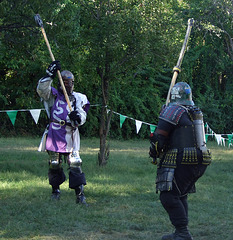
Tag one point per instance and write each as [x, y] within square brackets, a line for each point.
[218, 138]
[35, 114]
[138, 125]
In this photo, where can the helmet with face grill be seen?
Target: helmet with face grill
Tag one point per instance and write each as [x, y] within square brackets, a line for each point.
[68, 79]
[181, 93]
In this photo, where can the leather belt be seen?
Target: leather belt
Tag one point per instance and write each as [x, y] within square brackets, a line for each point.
[61, 122]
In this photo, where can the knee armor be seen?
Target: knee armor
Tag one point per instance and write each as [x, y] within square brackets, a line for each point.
[74, 160]
[54, 160]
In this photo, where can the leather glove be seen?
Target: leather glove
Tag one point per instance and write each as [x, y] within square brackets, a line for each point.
[52, 68]
[75, 116]
[152, 152]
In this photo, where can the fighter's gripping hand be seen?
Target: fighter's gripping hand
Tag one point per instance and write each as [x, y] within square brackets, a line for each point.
[153, 153]
[52, 68]
[75, 116]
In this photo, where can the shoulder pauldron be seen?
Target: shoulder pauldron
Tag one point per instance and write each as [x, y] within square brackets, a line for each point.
[172, 114]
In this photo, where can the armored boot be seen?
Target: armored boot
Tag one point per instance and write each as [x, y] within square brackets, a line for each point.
[181, 233]
[80, 198]
[55, 193]
[168, 236]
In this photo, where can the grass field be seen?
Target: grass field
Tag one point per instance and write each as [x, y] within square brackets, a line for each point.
[121, 196]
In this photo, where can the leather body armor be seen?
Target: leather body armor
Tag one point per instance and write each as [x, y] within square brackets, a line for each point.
[187, 136]
[185, 145]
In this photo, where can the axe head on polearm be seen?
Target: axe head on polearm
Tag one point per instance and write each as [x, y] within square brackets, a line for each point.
[40, 23]
[177, 68]
[38, 20]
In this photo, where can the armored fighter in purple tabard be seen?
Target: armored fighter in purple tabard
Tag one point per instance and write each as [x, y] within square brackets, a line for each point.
[61, 138]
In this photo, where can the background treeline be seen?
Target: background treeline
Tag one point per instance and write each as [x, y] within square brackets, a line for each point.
[130, 45]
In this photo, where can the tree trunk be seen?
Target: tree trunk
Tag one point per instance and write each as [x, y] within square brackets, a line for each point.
[105, 117]
[104, 129]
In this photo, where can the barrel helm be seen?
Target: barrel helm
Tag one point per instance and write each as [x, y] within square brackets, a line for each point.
[181, 93]
[68, 79]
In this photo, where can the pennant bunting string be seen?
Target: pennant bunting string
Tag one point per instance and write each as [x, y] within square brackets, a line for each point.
[35, 113]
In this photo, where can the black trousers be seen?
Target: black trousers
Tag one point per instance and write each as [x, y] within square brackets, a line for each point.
[175, 201]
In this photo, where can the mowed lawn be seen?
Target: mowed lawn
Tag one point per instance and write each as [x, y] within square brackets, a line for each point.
[121, 196]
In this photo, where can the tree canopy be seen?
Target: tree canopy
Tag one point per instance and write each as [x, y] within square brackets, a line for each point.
[122, 53]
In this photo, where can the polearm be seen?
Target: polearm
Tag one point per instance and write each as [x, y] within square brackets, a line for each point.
[40, 23]
[177, 68]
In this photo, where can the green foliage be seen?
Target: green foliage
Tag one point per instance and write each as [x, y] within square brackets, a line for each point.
[132, 44]
[208, 63]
